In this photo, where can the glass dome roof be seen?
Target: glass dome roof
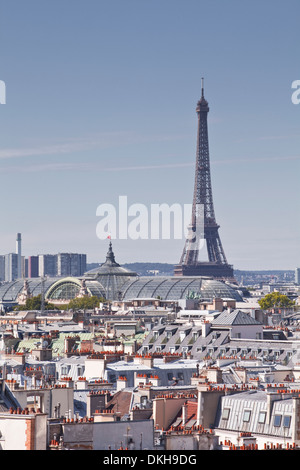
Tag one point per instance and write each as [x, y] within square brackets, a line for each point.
[111, 276]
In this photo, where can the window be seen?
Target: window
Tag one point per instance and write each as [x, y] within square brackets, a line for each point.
[144, 400]
[182, 335]
[277, 420]
[262, 417]
[65, 291]
[112, 378]
[226, 413]
[286, 421]
[246, 417]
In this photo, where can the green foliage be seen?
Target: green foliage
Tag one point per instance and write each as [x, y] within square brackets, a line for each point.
[75, 304]
[35, 303]
[275, 300]
[85, 303]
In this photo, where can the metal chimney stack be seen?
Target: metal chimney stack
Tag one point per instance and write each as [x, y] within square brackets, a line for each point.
[19, 253]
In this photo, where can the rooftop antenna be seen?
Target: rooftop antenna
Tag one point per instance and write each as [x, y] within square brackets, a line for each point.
[202, 87]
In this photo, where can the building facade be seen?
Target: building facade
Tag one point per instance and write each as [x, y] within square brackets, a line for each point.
[71, 264]
[11, 267]
[2, 268]
[47, 265]
[33, 266]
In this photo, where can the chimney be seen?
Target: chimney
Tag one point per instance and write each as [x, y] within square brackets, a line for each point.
[184, 414]
[205, 328]
[15, 330]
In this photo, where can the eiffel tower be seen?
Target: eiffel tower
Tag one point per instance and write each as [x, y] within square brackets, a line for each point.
[203, 214]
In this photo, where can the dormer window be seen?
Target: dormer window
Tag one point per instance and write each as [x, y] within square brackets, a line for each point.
[182, 335]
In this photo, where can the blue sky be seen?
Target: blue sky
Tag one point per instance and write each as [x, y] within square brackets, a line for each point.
[100, 102]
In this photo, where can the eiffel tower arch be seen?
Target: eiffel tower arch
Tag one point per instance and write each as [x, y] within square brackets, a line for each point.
[190, 265]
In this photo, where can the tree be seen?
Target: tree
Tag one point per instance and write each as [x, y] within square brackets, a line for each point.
[85, 303]
[275, 300]
[35, 303]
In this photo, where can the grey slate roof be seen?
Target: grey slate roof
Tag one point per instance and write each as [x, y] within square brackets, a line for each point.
[234, 317]
[255, 403]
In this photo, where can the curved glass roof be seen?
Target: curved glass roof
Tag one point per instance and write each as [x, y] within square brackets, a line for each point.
[95, 288]
[175, 288]
[114, 287]
[10, 290]
[54, 289]
[69, 288]
[63, 290]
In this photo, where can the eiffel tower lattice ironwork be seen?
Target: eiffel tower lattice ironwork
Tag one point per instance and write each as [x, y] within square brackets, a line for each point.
[189, 264]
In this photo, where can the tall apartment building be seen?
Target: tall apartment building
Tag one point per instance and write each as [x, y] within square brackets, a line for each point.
[11, 266]
[47, 265]
[33, 266]
[71, 264]
[2, 268]
[61, 264]
[297, 275]
[19, 253]
[24, 267]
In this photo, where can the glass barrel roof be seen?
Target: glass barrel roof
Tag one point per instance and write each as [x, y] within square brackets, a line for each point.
[10, 291]
[116, 287]
[175, 288]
